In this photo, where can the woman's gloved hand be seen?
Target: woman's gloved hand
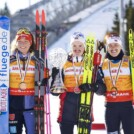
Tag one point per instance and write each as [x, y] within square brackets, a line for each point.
[86, 87]
[55, 71]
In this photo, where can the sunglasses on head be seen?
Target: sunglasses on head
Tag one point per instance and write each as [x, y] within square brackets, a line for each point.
[23, 31]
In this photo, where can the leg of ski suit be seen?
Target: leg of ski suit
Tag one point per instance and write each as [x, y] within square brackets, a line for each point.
[66, 128]
[133, 120]
[21, 113]
[116, 115]
[18, 118]
[28, 118]
[16, 121]
[68, 117]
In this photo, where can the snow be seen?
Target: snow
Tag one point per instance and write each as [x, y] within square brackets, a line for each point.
[99, 20]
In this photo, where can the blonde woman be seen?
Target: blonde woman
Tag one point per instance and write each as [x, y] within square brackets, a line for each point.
[21, 101]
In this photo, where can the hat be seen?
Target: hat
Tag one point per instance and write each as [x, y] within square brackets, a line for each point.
[24, 33]
[114, 39]
[78, 36]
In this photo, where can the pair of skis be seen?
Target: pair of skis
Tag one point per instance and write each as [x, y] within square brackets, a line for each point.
[85, 101]
[4, 73]
[42, 104]
[131, 50]
[91, 63]
[42, 101]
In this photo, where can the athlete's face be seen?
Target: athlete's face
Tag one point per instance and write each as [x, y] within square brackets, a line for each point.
[77, 48]
[114, 49]
[23, 45]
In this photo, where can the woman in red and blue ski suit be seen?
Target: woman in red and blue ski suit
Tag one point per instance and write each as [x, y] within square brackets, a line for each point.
[72, 73]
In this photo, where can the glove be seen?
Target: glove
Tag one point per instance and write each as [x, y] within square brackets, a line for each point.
[55, 71]
[46, 77]
[86, 87]
[102, 89]
[45, 81]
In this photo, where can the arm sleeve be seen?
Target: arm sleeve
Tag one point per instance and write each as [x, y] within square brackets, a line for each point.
[100, 82]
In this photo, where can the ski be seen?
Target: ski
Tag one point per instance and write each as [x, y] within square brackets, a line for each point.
[91, 63]
[4, 73]
[46, 76]
[42, 106]
[131, 50]
[84, 113]
[37, 75]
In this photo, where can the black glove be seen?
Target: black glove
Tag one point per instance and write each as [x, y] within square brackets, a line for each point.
[55, 71]
[45, 81]
[102, 89]
[46, 77]
[86, 87]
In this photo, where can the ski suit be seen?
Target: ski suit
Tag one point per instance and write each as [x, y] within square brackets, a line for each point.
[21, 102]
[69, 101]
[119, 98]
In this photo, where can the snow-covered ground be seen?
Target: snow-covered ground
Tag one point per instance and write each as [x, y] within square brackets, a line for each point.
[98, 19]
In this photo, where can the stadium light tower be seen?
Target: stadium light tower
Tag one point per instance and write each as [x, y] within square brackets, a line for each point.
[122, 21]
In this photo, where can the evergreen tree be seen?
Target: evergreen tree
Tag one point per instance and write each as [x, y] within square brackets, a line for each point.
[116, 27]
[5, 11]
[129, 15]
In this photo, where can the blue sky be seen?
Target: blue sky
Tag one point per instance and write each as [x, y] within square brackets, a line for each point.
[15, 5]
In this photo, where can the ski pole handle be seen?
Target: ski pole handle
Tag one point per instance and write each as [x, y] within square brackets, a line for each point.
[46, 72]
[97, 58]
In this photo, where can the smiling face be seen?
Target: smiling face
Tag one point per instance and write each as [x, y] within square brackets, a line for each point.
[114, 49]
[23, 45]
[78, 48]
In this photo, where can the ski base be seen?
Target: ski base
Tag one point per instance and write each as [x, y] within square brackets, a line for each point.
[4, 73]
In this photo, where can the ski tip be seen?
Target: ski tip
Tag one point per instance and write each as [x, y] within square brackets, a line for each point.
[37, 17]
[43, 17]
